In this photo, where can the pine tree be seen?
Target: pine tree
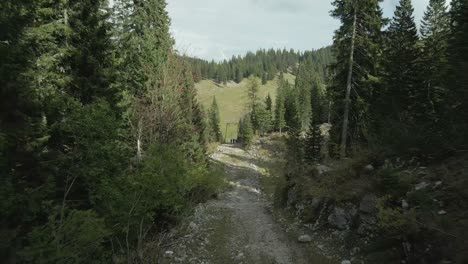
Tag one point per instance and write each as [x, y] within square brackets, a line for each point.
[365, 76]
[264, 78]
[303, 88]
[262, 119]
[214, 120]
[435, 32]
[239, 75]
[268, 103]
[313, 142]
[458, 65]
[280, 122]
[402, 61]
[91, 47]
[247, 131]
[291, 113]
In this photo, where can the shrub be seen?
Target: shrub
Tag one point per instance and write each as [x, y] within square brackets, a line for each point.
[76, 238]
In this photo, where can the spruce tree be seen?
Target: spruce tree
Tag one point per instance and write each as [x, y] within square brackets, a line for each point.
[264, 78]
[313, 142]
[435, 33]
[268, 103]
[247, 131]
[214, 120]
[365, 77]
[458, 65]
[239, 75]
[402, 61]
[279, 119]
[303, 89]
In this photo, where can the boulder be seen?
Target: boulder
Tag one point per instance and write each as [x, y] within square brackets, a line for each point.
[368, 219]
[322, 169]
[304, 239]
[368, 204]
[421, 186]
[369, 168]
[339, 219]
[168, 254]
[316, 202]
[345, 262]
[404, 204]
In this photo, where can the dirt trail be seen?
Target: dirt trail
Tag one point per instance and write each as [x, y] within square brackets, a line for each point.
[238, 226]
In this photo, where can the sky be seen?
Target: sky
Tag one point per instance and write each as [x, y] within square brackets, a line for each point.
[219, 29]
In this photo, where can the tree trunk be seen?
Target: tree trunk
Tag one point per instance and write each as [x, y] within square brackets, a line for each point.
[344, 133]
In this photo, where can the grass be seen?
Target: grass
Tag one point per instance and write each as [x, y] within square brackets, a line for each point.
[232, 100]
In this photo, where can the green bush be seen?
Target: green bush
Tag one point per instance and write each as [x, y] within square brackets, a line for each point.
[76, 238]
[393, 181]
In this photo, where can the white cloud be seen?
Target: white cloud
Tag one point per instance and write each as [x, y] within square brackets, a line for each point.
[218, 29]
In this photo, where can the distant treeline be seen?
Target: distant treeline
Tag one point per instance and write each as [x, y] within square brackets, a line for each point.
[264, 64]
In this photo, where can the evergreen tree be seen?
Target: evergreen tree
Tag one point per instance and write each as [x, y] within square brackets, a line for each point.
[434, 31]
[291, 113]
[268, 103]
[247, 131]
[365, 76]
[458, 65]
[313, 143]
[402, 65]
[214, 120]
[280, 122]
[303, 90]
[239, 75]
[262, 119]
[264, 78]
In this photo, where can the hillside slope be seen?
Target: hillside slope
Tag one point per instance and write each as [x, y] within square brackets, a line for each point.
[232, 100]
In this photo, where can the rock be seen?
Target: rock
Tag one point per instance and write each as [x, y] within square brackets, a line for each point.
[437, 184]
[168, 254]
[239, 256]
[304, 239]
[404, 204]
[321, 247]
[369, 168]
[421, 186]
[322, 169]
[316, 202]
[362, 230]
[368, 204]
[346, 262]
[193, 226]
[339, 219]
[181, 259]
[442, 212]
[355, 251]
[351, 210]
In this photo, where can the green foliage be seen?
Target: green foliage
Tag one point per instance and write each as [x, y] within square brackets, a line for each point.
[313, 143]
[268, 103]
[264, 64]
[280, 109]
[303, 90]
[246, 132]
[214, 122]
[393, 221]
[368, 50]
[457, 78]
[74, 110]
[262, 118]
[76, 238]
[394, 181]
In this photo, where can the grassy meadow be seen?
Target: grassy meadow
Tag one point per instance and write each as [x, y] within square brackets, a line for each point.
[232, 100]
